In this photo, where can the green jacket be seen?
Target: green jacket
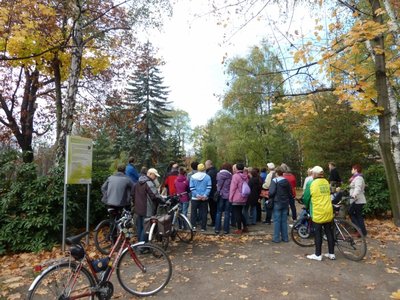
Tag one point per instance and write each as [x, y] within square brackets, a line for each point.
[317, 199]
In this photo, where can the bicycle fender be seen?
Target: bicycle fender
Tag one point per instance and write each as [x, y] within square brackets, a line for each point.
[151, 232]
[187, 220]
[44, 272]
[101, 224]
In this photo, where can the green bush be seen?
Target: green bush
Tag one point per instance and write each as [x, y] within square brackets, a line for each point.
[377, 192]
[31, 206]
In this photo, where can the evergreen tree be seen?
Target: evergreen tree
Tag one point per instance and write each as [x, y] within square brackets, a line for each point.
[148, 96]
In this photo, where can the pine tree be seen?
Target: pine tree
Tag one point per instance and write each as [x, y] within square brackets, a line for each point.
[148, 96]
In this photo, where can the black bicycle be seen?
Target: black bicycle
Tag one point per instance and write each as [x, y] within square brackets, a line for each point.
[106, 232]
[347, 236]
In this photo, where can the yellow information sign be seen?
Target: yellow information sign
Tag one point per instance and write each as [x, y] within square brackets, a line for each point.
[78, 160]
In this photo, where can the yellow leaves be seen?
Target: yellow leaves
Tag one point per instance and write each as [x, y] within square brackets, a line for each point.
[380, 11]
[395, 295]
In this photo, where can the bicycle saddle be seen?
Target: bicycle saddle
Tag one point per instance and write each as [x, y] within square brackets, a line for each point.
[73, 240]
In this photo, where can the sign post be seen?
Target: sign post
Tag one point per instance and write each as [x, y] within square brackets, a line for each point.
[78, 170]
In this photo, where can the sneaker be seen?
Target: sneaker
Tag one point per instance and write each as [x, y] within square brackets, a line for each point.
[314, 257]
[203, 230]
[330, 256]
[194, 229]
[217, 232]
[238, 231]
[290, 225]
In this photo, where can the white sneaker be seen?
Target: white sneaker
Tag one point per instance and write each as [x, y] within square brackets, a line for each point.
[330, 256]
[314, 257]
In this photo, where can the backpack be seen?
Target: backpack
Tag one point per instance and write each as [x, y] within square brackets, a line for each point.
[245, 192]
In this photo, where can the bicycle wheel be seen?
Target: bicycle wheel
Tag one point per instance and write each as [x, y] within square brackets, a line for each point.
[144, 269]
[105, 236]
[302, 234]
[349, 240]
[62, 282]
[183, 229]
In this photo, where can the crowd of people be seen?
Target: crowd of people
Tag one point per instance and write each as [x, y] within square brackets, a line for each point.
[235, 197]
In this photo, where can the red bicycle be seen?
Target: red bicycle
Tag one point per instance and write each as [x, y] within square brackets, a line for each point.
[142, 269]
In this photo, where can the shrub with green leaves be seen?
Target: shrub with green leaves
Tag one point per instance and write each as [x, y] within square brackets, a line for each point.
[31, 206]
[377, 192]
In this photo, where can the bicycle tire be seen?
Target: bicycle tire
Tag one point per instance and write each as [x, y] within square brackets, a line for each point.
[53, 283]
[349, 240]
[104, 236]
[301, 234]
[155, 276]
[183, 228]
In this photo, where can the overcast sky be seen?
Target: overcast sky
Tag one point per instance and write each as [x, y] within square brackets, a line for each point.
[193, 49]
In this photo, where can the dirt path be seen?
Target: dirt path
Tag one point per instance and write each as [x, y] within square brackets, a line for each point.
[252, 267]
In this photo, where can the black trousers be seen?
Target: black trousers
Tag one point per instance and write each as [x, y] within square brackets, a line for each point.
[213, 209]
[328, 228]
[240, 219]
[358, 219]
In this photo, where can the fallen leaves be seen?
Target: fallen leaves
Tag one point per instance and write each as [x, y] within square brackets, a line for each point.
[395, 295]
[392, 270]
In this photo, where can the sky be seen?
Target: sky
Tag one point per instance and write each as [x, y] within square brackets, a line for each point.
[194, 48]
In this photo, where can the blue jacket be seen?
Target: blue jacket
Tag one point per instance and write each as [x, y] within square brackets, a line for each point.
[200, 185]
[132, 173]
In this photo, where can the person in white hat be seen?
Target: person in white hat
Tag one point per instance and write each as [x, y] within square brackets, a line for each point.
[317, 198]
[271, 175]
[145, 200]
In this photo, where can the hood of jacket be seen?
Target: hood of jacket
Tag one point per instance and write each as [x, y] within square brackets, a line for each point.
[224, 174]
[181, 178]
[199, 176]
[143, 179]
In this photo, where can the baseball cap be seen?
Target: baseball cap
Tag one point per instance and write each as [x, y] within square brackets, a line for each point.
[270, 165]
[153, 171]
[317, 170]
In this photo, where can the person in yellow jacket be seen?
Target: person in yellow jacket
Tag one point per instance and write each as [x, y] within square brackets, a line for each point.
[317, 199]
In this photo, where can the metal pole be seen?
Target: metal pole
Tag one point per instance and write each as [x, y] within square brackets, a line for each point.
[87, 212]
[64, 219]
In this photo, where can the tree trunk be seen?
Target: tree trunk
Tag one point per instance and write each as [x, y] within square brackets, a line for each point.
[385, 140]
[73, 79]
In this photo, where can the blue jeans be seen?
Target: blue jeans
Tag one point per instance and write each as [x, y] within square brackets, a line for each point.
[223, 207]
[199, 211]
[280, 222]
[184, 208]
[251, 218]
[141, 234]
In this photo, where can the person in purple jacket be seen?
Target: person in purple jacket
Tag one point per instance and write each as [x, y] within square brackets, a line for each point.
[181, 186]
[224, 177]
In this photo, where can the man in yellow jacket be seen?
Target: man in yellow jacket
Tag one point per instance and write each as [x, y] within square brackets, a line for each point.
[317, 199]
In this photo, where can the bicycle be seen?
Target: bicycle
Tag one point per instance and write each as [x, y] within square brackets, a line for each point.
[347, 236]
[106, 232]
[171, 224]
[142, 269]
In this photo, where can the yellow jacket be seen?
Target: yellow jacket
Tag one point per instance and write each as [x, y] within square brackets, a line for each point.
[321, 206]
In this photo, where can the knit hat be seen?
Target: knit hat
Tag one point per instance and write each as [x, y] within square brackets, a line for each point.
[317, 170]
[270, 165]
[201, 168]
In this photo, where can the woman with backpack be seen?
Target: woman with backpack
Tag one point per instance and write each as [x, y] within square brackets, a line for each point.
[238, 198]
[280, 192]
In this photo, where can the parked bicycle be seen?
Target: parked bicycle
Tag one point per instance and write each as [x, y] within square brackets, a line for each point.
[171, 224]
[106, 232]
[347, 236]
[142, 269]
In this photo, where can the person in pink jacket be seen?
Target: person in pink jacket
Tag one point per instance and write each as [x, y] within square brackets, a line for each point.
[236, 198]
